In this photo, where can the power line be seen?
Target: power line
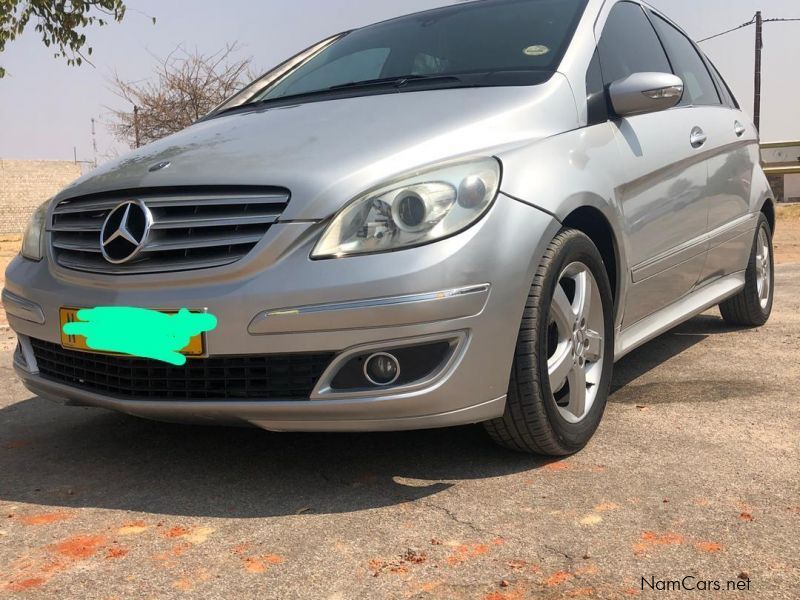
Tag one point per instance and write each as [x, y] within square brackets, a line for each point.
[743, 25]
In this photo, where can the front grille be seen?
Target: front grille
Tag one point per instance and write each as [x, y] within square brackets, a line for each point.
[192, 229]
[254, 377]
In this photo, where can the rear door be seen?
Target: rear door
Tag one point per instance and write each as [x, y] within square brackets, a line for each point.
[663, 198]
[730, 178]
[731, 150]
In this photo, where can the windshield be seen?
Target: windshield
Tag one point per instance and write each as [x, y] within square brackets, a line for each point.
[501, 41]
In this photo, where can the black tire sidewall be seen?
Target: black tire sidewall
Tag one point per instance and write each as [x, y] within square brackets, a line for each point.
[579, 248]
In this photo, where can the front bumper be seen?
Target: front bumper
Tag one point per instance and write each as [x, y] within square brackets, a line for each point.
[298, 305]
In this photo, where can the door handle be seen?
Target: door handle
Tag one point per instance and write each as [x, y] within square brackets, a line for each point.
[739, 129]
[697, 138]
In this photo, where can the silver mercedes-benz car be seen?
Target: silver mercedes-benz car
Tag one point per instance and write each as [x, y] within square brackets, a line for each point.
[464, 215]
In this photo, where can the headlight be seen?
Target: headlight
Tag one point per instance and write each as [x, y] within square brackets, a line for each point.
[417, 210]
[34, 234]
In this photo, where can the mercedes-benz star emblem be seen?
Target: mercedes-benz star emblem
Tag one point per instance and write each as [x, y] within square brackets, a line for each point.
[125, 231]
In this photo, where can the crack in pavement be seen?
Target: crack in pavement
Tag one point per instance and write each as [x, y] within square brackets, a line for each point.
[483, 531]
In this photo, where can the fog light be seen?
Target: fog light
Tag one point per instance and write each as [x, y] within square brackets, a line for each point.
[381, 369]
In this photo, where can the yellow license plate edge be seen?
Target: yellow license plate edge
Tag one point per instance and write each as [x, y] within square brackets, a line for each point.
[194, 349]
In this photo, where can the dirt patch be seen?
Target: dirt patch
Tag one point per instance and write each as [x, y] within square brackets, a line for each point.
[787, 235]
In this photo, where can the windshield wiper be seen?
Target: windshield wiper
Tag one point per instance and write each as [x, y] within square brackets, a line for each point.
[397, 81]
[391, 82]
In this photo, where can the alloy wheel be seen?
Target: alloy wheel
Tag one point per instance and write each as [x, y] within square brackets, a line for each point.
[575, 342]
[763, 268]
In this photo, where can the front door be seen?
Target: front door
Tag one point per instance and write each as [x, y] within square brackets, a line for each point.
[664, 160]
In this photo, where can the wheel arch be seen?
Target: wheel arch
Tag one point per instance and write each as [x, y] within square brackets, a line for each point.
[768, 210]
[596, 226]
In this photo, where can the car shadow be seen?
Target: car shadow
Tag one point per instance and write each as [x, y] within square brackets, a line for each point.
[661, 349]
[74, 457]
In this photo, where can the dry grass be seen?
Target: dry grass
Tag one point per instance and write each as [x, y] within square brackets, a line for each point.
[788, 212]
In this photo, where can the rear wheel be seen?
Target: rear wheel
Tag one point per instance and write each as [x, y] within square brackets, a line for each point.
[753, 305]
[562, 366]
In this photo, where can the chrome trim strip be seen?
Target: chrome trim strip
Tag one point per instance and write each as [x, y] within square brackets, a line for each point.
[182, 223]
[22, 308]
[692, 248]
[672, 258]
[387, 301]
[390, 311]
[733, 229]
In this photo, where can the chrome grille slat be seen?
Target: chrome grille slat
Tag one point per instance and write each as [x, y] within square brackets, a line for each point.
[86, 246]
[64, 209]
[208, 241]
[190, 230]
[213, 222]
[77, 206]
[217, 201]
[151, 266]
[78, 228]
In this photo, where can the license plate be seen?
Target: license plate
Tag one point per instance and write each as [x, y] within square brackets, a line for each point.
[196, 346]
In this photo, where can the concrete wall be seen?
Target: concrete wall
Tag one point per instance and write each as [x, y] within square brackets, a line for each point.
[25, 184]
[791, 187]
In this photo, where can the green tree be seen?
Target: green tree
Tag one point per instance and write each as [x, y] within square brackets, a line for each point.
[60, 23]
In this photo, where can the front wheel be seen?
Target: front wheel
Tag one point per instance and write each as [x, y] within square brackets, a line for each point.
[562, 367]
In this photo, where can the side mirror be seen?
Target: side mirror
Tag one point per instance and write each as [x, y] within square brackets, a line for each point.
[642, 93]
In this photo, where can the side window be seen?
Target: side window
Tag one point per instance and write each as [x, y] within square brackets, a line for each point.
[699, 86]
[596, 103]
[723, 86]
[630, 45]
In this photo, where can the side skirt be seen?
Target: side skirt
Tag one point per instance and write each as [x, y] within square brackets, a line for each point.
[684, 309]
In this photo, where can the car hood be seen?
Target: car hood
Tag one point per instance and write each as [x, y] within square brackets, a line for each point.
[328, 152]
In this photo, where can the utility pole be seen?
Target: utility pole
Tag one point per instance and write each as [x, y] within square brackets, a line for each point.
[136, 125]
[758, 21]
[759, 48]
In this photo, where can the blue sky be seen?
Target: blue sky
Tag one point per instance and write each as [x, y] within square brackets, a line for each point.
[46, 106]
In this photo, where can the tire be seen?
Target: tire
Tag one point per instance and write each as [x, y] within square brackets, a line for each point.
[536, 420]
[753, 305]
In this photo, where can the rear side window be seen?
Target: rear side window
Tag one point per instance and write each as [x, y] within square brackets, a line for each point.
[687, 64]
[630, 45]
[727, 94]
